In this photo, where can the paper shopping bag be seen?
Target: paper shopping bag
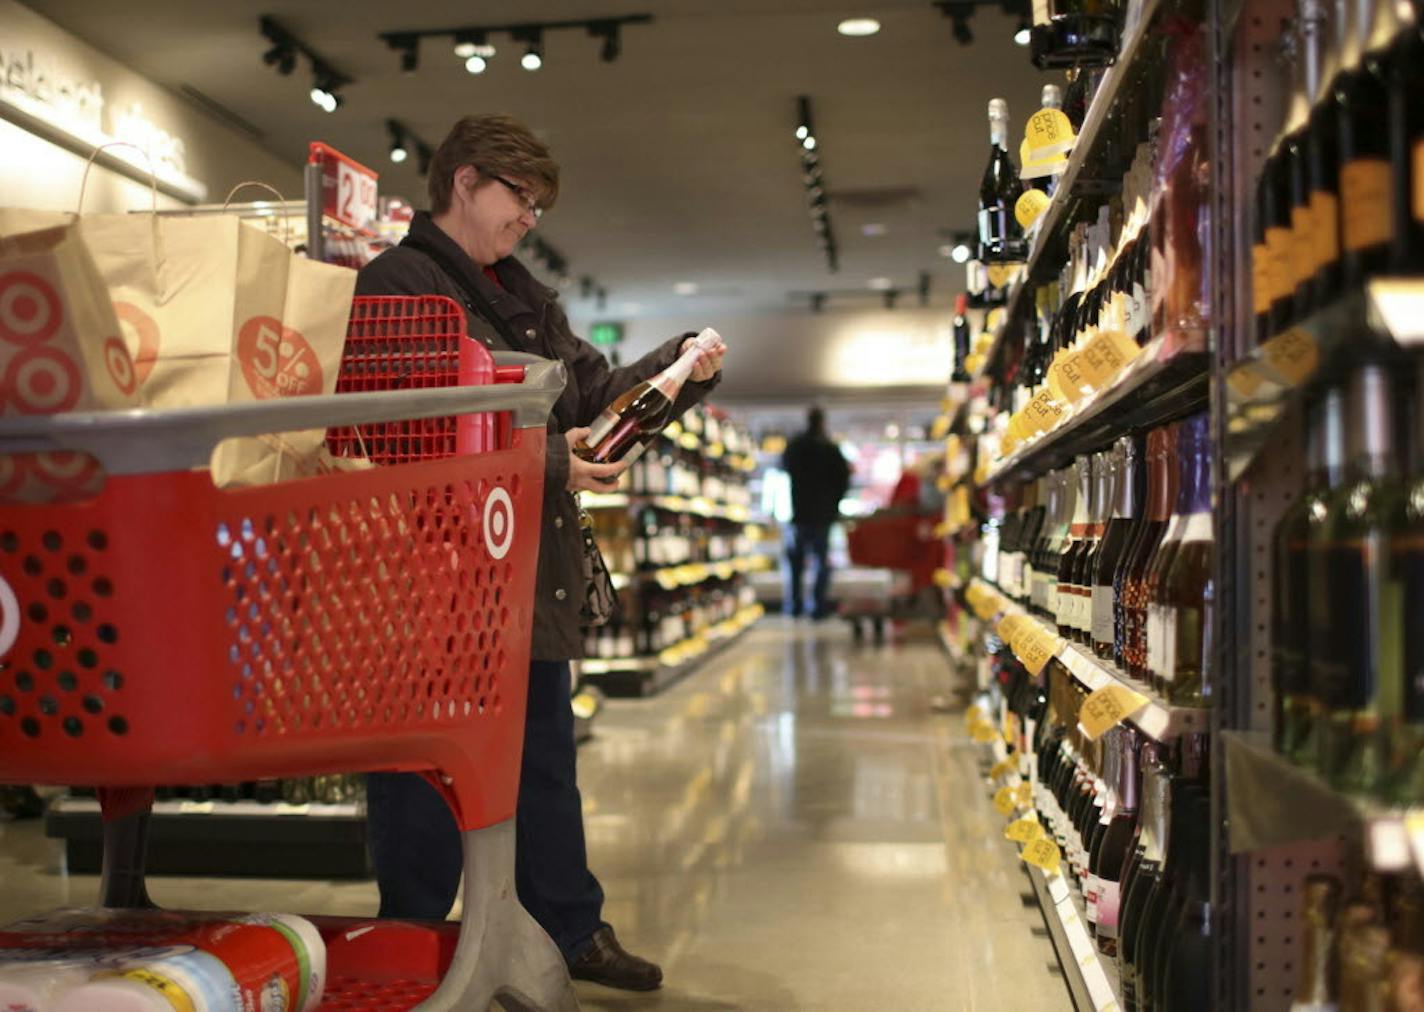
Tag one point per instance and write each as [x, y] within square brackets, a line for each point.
[290, 329]
[60, 350]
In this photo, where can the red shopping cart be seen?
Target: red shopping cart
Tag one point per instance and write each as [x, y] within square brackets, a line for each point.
[899, 540]
[168, 631]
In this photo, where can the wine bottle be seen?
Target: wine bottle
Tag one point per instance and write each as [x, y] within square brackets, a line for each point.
[962, 339]
[1362, 100]
[1112, 853]
[1273, 204]
[1291, 583]
[1324, 155]
[1162, 481]
[1184, 951]
[1363, 688]
[1293, 179]
[1187, 586]
[1315, 987]
[1061, 542]
[1127, 503]
[1033, 529]
[642, 411]
[1074, 34]
[1407, 563]
[1146, 867]
[1409, 171]
[1100, 507]
[1001, 239]
[1154, 606]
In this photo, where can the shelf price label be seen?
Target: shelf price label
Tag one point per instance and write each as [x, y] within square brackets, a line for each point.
[1034, 647]
[1042, 853]
[1030, 206]
[1002, 768]
[1107, 707]
[1023, 795]
[1008, 627]
[1105, 356]
[1025, 830]
[1005, 800]
[983, 732]
[1043, 412]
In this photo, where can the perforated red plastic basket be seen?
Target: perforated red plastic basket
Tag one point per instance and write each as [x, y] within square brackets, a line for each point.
[411, 343]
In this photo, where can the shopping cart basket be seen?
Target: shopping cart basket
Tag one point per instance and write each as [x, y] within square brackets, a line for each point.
[167, 631]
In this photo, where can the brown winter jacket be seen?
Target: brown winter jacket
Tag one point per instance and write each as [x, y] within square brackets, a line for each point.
[540, 327]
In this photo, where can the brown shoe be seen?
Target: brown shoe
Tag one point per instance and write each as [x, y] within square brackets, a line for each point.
[606, 962]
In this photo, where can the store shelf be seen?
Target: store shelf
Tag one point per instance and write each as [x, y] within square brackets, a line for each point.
[1262, 385]
[1091, 979]
[1272, 802]
[697, 506]
[1159, 385]
[1157, 719]
[640, 676]
[239, 838]
[693, 573]
[1083, 176]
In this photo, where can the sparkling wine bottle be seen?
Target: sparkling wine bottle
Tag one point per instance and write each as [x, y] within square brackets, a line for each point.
[625, 426]
[1001, 239]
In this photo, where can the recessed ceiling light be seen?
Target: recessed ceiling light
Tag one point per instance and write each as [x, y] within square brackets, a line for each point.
[476, 64]
[872, 230]
[858, 26]
[685, 288]
[464, 49]
[880, 284]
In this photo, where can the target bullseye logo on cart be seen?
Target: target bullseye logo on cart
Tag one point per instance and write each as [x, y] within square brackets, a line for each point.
[9, 617]
[499, 523]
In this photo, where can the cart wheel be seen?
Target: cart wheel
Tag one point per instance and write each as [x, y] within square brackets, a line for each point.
[879, 624]
[856, 632]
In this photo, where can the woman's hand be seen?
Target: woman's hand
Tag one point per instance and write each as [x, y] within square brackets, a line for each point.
[709, 364]
[585, 476]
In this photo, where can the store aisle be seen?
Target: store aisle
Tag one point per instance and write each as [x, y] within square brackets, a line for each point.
[789, 828]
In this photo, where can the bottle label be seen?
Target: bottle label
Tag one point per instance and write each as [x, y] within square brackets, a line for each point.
[1365, 202]
[1303, 253]
[1279, 261]
[1109, 901]
[1102, 613]
[1418, 170]
[1325, 213]
[1154, 639]
[1090, 897]
[1167, 650]
[1261, 294]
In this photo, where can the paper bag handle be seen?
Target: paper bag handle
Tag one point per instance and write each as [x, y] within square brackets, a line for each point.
[152, 177]
[281, 203]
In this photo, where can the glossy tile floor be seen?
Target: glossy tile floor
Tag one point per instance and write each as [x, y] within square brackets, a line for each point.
[789, 828]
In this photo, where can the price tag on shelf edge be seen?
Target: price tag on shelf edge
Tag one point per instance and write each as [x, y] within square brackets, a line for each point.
[1107, 707]
[1034, 648]
[1025, 830]
[1293, 356]
[1030, 206]
[1002, 768]
[983, 733]
[1023, 794]
[1004, 801]
[1042, 853]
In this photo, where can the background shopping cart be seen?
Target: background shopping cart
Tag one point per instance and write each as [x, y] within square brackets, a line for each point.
[170, 631]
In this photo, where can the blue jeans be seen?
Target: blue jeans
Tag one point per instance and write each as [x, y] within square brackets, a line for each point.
[803, 540]
[416, 845]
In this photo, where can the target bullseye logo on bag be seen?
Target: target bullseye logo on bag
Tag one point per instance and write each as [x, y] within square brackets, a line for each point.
[277, 361]
[499, 523]
[141, 334]
[29, 309]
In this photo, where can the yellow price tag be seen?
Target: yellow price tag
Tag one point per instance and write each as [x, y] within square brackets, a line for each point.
[1002, 768]
[1009, 728]
[1245, 380]
[940, 428]
[1049, 133]
[1107, 707]
[1008, 626]
[1023, 794]
[1004, 801]
[1105, 356]
[1035, 648]
[1293, 355]
[975, 715]
[1001, 274]
[943, 578]
[943, 483]
[983, 733]
[1044, 412]
[1042, 853]
[1025, 830]
[1030, 206]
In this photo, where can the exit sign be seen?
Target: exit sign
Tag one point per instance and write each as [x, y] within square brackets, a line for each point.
[606, 334]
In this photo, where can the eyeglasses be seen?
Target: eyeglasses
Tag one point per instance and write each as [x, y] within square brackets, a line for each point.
[524, 196]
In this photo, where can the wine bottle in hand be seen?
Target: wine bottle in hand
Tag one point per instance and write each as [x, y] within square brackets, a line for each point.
[624, 428]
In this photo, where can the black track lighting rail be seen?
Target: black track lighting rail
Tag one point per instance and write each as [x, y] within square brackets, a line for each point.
[407, 41]
[285, 48]
[814, 182]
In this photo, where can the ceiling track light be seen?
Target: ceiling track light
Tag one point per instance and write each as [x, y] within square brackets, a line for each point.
[813, 180]
[405, 143]
[409, 48]
[327, 82]
[471, 42]
[398, 148]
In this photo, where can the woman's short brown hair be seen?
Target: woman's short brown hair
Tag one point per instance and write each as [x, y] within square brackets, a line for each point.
[497, 145]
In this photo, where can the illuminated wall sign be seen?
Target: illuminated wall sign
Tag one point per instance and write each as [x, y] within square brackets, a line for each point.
[74, 114]
[605, 334]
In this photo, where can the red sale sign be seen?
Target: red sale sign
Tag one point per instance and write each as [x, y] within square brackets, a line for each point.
[348, 188]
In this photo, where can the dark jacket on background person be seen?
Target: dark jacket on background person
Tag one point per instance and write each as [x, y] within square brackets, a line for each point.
[539, 326]
[819, 476]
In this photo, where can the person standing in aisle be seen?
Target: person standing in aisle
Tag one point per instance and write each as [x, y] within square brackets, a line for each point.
[489, 182]
[819, 477]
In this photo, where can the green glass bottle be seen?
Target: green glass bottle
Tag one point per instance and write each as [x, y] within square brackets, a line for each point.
[1407, 551]
[1363, 680]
